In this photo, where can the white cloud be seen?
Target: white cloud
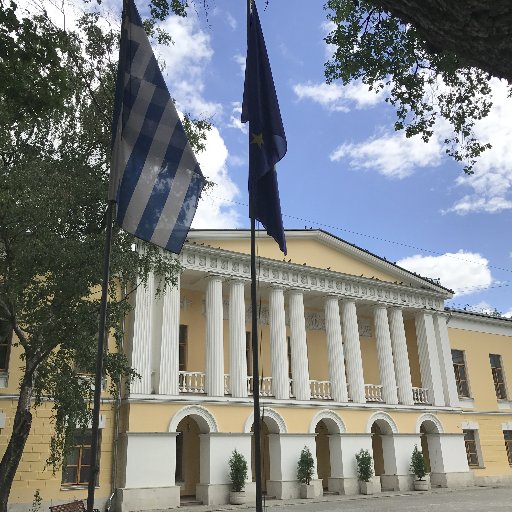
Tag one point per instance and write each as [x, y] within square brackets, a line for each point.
[338, 98]
[216, 209]
[240, 60]
[231, 21]
[491, 183]
[463, 272]
[234, 119]
[392, 155]
[508, 314]
[185, 62]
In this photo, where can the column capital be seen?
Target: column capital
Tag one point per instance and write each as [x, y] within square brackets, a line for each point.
[294, 291]
[332, 297]
[214, 277]
[277, 287]
[235, 280]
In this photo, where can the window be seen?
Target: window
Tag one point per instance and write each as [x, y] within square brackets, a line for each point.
[507, 434]
[471, 447]
[461, 377]
[78, 462]
[248, 352]
[183, 337]
[5, 345]
[497, 376]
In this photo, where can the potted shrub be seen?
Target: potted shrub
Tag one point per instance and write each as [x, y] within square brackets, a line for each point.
[238, 475]
[419, 470]
[365, 471]
[305, 470]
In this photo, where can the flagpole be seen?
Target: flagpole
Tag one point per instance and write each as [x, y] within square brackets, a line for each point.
[94, 469]
[254, 332]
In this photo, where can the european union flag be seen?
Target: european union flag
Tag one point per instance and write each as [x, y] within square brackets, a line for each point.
[155, 178]
[267, 141]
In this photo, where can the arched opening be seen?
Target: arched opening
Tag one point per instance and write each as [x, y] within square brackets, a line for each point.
[424, 447]
[429, 426]
[378, 453]
[323, 456]
[187, 456]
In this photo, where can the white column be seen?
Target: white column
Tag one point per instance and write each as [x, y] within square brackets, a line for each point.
[142, 336]
[278, 348]
[385, 355]
[237, 357]
[353, 358]
[299, 349]
[429, 359]
[335, 350]
[451, 396]
[169, 351]
[400, 356]
[214, 364]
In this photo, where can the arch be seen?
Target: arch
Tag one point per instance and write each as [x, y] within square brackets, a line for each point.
[276, 425]
[204, 418]
[332, 421]
[432, 424]
[384, 421]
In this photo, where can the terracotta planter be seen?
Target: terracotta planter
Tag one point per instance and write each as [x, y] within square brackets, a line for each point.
[421, 485]
[237, 498]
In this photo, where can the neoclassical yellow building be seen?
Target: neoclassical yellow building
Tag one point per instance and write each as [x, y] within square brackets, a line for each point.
[356, 352]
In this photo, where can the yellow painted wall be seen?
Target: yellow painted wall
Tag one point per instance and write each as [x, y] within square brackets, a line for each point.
[477, 347]
[412, 349]
[32, 473]
[317, 355]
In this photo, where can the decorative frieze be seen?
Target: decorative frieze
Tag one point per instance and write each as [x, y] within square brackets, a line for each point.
[286, 274]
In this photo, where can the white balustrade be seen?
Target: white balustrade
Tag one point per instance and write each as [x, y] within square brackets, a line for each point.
[320, 389]
[265, 386]
[227, 384]
[191, 382]
[373, 393]
[420, 395]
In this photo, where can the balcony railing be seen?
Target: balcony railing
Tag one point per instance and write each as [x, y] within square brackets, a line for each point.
[420, 395]
[373, 393]
[265, 385]
[320, 389]
[191, 382]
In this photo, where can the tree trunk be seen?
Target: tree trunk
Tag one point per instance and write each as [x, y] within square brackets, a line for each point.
[479, 32]
[21, 430]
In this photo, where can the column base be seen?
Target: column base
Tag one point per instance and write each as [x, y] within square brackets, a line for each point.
[463, 479]
[218, 494]
[150, 498]
[283, 490]
[346, 486]
[397, 482]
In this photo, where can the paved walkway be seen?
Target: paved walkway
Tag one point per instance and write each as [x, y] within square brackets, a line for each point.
[473, 499]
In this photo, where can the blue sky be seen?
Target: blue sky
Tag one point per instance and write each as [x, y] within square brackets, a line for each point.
[346, 170]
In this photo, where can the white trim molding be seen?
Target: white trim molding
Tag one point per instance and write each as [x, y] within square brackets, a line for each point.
[207, 421]
[469, 425]
[506, 426]
[384, 417]
[276, 418]
[429, 417]
[332, 420]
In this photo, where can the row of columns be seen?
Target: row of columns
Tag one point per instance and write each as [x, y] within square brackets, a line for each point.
[344, 350]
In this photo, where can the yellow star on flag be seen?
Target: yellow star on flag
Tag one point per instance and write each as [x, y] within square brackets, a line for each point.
[257, 138]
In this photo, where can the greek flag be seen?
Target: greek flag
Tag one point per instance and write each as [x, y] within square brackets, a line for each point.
[155, 178]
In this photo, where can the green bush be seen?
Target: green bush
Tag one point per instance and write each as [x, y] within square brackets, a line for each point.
[305, 466]
[418, 463]
[364, 465]
[237, 471]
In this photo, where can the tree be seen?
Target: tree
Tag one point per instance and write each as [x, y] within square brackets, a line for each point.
[54, 160]
[305, 466]
[434, 58]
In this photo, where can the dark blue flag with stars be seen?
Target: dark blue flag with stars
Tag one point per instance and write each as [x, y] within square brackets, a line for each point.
[267, 140]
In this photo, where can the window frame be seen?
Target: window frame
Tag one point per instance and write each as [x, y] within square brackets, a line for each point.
[474, 442]
[183, 348]
[508, 445]
[7, 343]
[500, 385]
[81, 448]
[456, 372]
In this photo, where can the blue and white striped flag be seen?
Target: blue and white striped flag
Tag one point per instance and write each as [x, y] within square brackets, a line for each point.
[155, 178]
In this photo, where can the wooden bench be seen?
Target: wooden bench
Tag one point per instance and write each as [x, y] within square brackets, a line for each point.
[74, 506]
